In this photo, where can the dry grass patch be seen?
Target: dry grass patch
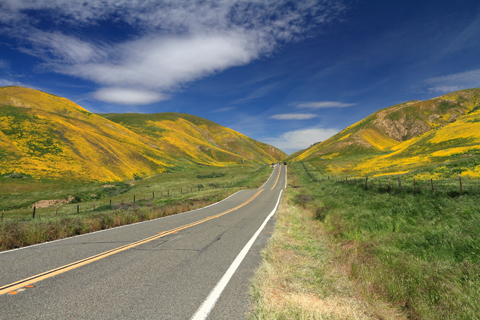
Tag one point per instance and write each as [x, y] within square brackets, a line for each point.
[301, 276]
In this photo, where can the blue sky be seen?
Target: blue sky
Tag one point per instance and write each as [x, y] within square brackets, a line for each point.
[289, 73]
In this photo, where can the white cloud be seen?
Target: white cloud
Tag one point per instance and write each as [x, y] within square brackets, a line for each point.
[177, 40]
[293, 141]
[454, 82]
[322, 104]
[226, 109]
[128, 96]
[294, 116]
[163, 63]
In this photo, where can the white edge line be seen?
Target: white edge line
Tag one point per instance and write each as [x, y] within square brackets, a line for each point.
[125, 225]
[207, 306]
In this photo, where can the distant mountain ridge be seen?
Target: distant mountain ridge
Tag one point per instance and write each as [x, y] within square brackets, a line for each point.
[410, 132]
[44, 135]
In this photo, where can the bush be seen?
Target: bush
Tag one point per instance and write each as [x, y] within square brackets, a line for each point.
[211, 175]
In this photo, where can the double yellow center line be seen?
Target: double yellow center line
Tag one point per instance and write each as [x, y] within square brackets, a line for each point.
[279, 170]
[41, 276]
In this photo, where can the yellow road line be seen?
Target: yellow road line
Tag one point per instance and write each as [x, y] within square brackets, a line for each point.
[279, 170]
[41, 276]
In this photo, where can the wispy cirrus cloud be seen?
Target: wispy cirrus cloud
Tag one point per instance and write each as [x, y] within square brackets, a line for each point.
[295, 140]
[453, 82]
[225, 109]
[321, 104]
[175, 42]
[293, 116]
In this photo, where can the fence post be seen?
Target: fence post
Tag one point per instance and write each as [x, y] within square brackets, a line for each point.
[366, 183]
[371, 180]
[94, 206]
[110, 202]
[431, 182]
[389, 187]
[78, 208]
[34, 212]
[400, 183]
[122, 201]
[56, 211]
[153, 194]
[133, 198]
[2, 214]
[460, 179]
[380, 182]
[181, 191]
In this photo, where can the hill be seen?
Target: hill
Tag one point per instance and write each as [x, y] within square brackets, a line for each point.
[43, 135]
[195, 137]
[404, 137]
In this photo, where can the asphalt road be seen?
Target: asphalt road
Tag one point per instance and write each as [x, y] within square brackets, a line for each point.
[160, 269]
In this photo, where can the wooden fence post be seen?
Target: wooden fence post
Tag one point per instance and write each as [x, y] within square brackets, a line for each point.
[366, 183]
[371, 180]
[94, 206]
[56, 211]
[400, 183]
[110, 202]
[33, 212]
[389, 186]
[380, 182]
[133, 198]
[431, 182]
[78, 208]
[168, 192]
[153, 194]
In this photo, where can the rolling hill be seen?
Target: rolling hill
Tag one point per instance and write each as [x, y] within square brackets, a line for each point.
[405, 137]
[47, 136]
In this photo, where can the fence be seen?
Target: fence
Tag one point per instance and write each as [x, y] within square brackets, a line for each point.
[406, 183]
[128, 201]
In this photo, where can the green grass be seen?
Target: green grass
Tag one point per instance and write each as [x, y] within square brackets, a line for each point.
[174, 192]
[418, 250]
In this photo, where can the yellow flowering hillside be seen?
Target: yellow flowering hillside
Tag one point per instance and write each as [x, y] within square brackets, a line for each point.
[43, 135]
[405, 137]
[197, 138]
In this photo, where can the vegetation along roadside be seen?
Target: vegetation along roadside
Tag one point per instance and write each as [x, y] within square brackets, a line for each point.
[340, 252]
[89, 208]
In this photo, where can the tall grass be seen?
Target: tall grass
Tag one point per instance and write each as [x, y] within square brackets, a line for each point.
[418, 250]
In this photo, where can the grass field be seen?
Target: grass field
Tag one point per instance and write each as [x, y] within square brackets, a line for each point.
[417, 252]
[157, 196]
[300, 276]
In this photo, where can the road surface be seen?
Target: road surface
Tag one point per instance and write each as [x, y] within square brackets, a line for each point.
[194, 265]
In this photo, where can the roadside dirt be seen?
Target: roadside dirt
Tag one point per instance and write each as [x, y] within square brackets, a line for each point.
[51, 203]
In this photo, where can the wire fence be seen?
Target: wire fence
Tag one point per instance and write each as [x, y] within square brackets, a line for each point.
[404, 183]
[50, 208]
